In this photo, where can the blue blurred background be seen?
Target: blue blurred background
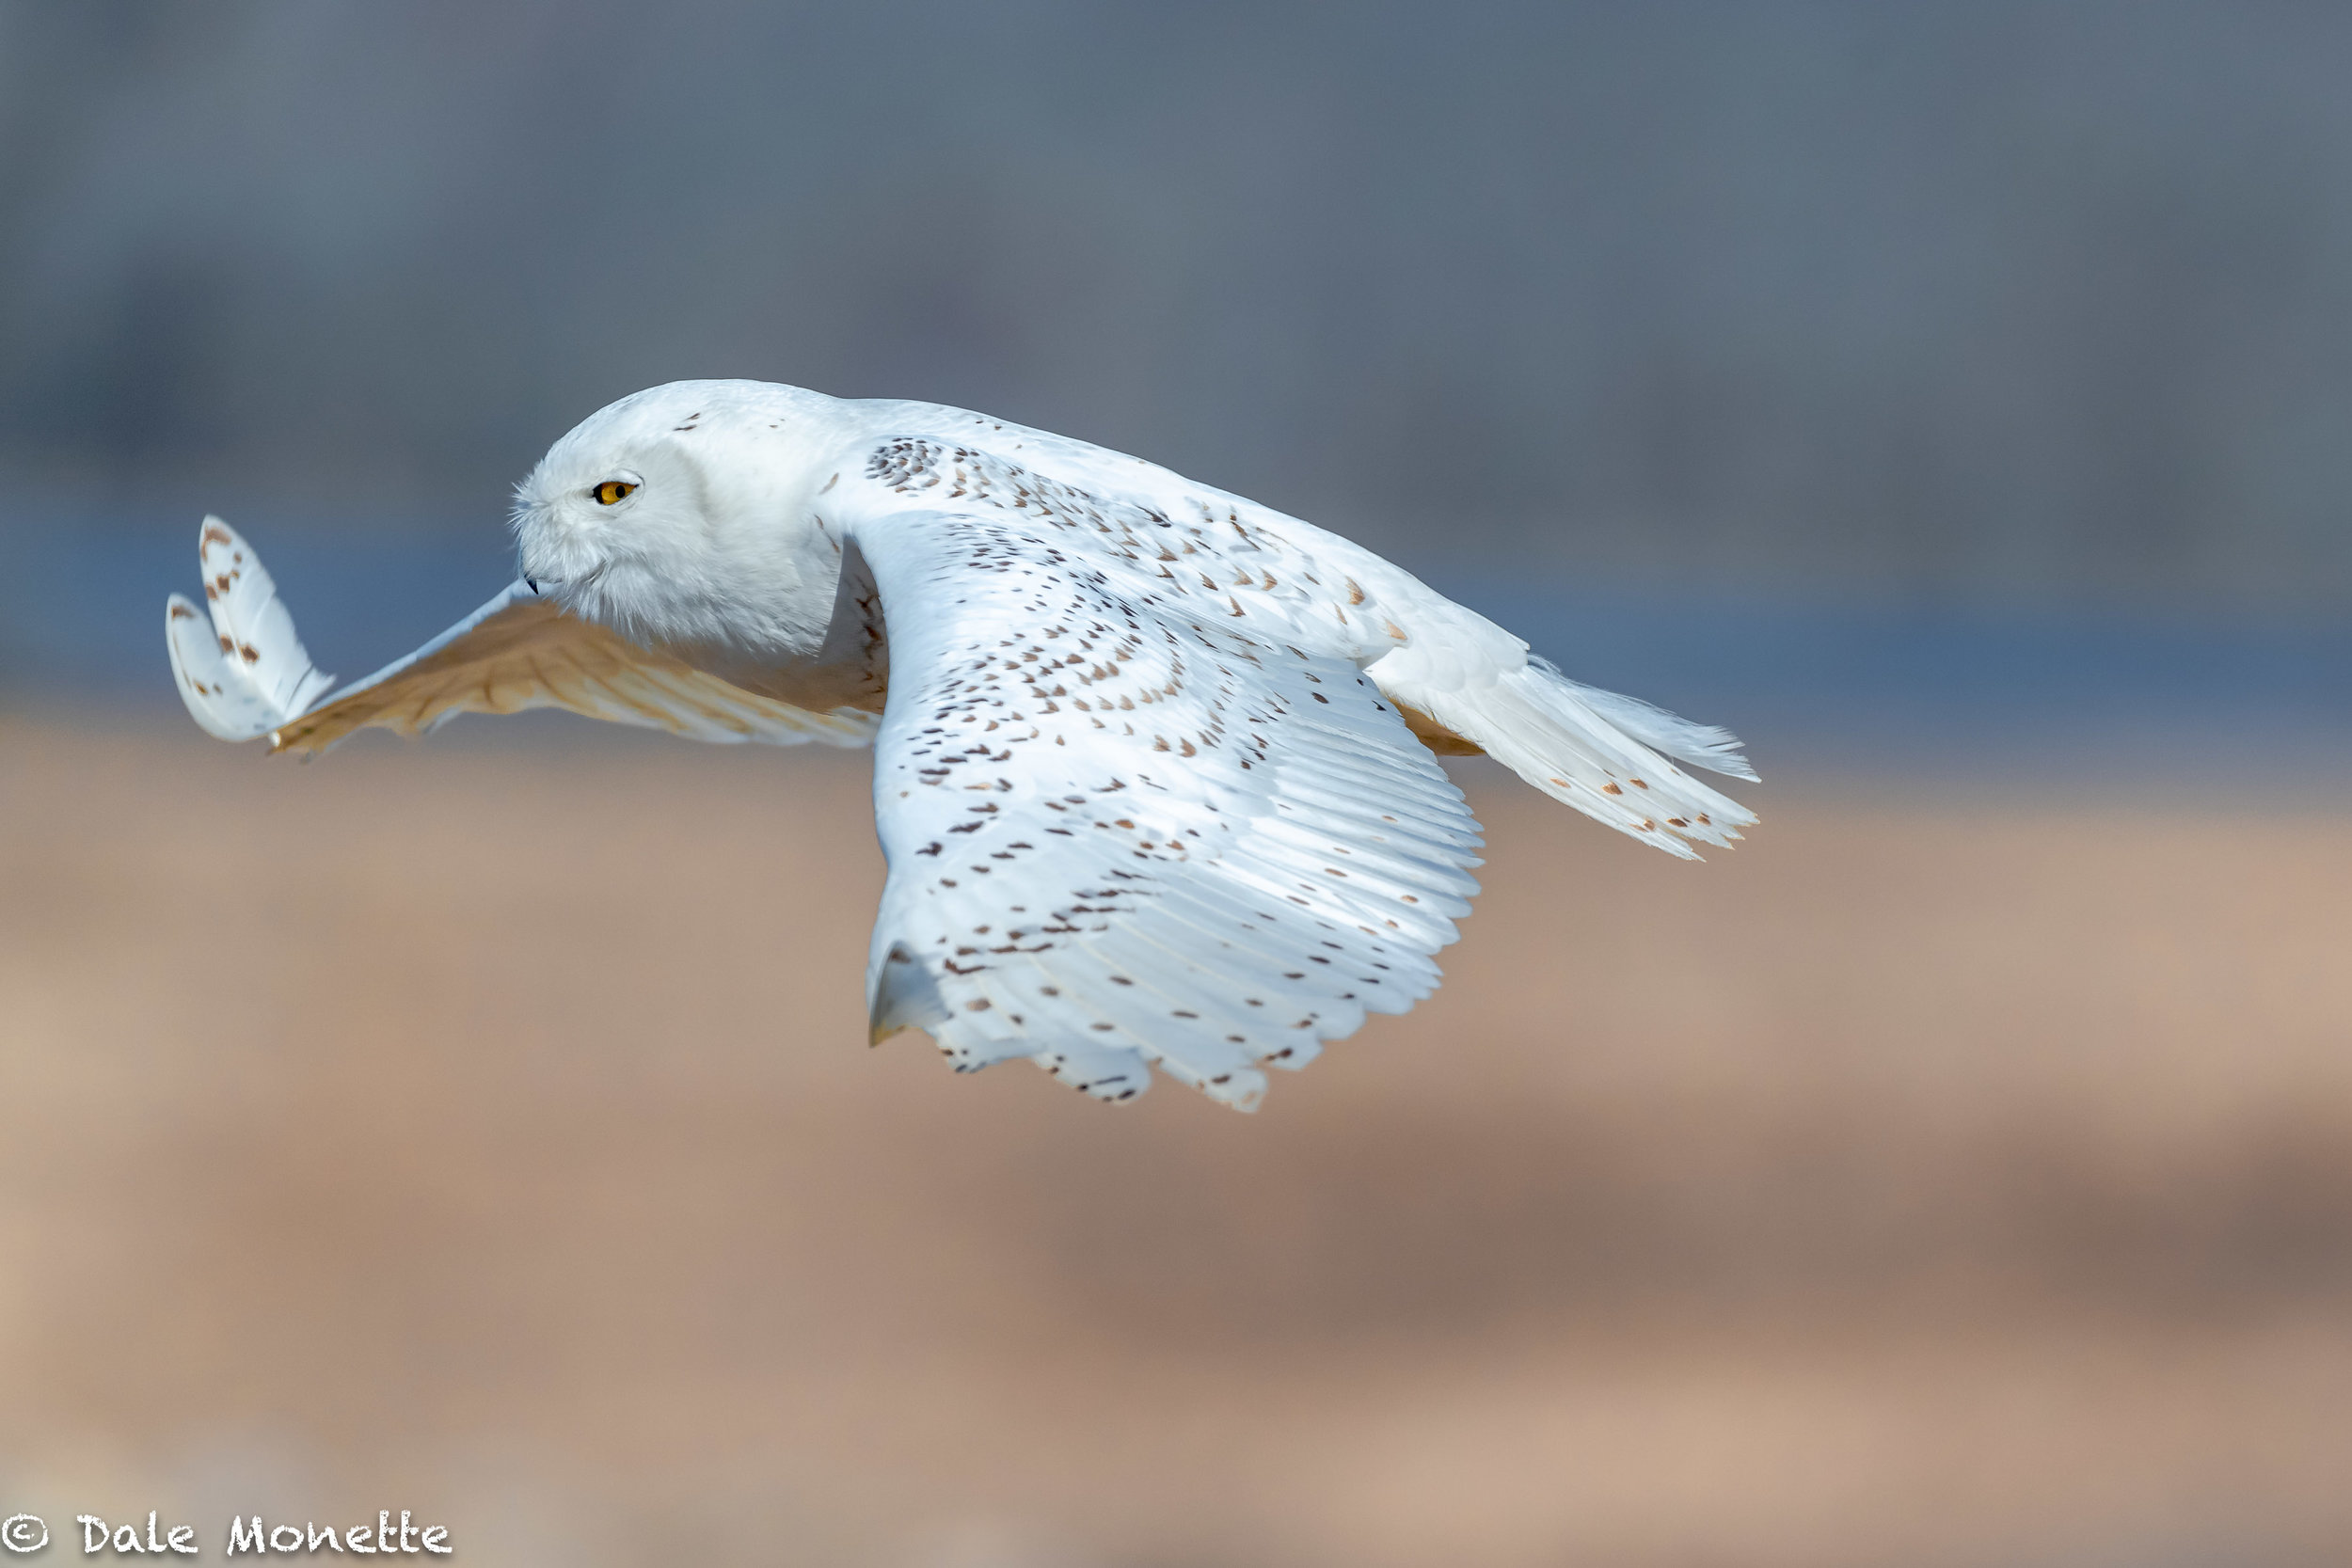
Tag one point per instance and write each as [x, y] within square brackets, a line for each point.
[1844, 370]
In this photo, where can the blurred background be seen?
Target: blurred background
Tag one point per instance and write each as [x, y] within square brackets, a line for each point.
[1955, 400]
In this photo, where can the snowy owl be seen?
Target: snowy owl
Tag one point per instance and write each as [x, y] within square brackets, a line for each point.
[1156, 766]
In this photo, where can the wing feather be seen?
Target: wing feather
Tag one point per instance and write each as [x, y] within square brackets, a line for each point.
[521, 652]
[240, 668]
[1121, 829]
[219, 695]
[256, 631]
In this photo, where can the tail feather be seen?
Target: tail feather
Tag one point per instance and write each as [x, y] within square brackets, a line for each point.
[1708, 746]
[1604, 754]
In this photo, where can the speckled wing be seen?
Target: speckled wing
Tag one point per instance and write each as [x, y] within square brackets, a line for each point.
[521, 650]
[1129, 827]
[1463, 683]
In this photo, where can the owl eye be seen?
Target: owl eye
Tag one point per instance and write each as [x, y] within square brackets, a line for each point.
[611, 490]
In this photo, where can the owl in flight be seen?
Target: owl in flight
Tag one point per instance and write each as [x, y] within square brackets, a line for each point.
[1156, 766]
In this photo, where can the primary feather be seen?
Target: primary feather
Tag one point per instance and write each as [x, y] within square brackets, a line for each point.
[251, 672]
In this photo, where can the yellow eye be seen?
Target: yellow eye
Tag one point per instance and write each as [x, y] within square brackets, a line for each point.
[611, 491]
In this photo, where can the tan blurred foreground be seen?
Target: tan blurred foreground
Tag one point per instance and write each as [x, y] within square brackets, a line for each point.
[486, 1129]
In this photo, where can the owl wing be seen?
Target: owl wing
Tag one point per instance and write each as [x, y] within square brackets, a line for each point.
[1128, 826]
[1465, 684]
[244, 673]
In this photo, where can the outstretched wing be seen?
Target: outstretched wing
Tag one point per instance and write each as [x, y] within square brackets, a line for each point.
[1463, 683]
[1126, 827]
[518, 652]
[521, 650]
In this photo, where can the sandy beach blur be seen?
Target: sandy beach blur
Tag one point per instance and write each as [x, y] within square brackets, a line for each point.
[484, 1127]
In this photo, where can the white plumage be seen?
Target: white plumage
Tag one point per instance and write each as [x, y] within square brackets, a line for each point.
[1154, 777]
